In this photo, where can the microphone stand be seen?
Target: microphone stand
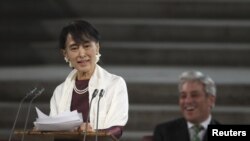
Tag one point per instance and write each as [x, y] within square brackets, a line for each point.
[86, 125]
[27, 116]
[17, 115]
[97, 118]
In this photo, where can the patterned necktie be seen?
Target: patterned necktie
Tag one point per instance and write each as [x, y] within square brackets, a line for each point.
[196, 129]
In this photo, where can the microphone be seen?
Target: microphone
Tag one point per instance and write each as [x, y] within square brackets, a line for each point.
[28, 113]
[17, 115]
[86, 125]
[97, 117]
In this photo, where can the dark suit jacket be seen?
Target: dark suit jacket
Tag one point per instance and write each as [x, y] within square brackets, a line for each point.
[175, 130]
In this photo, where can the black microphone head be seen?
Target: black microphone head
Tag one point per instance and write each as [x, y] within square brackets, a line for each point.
[95, 93]
[30, 93]
[37, 94]
[33, 90]
[41, 91]
[101, 93]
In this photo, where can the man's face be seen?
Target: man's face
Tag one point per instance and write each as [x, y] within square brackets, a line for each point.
[194, 103]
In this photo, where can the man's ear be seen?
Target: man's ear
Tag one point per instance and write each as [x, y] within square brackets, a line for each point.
[212, 100]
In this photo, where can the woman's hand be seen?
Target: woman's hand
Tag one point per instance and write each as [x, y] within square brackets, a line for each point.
[83, 127]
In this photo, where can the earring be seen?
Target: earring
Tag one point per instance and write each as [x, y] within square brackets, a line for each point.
[67, 61]
[70, 65]
[97, 56]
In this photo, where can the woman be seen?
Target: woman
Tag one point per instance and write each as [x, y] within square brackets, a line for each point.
[79, 43]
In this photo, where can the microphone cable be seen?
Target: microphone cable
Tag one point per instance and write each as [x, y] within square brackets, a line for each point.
[86, 125]
[97, 117]
[28, 113]
[18, 111]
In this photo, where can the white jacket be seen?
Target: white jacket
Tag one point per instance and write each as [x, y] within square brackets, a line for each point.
[113, 106]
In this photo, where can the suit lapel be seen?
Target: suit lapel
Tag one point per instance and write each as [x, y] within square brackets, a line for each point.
[182, 134]
[212, 123]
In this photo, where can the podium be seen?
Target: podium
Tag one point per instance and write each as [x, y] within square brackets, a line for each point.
[31, 135]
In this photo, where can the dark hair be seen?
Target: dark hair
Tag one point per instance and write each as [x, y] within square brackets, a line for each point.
[80, 30]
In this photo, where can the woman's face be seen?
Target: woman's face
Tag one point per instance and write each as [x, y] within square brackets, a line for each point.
[82, 56]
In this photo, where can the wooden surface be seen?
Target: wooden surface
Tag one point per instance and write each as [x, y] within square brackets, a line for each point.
[66, 134]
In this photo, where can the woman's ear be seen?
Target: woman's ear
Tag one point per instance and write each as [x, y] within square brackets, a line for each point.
[97, 47]
[63, 51]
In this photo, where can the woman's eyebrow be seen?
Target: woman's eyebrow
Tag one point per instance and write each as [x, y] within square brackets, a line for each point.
[73, 44]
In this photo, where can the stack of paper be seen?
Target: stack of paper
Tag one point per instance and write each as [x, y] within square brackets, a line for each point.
[64, 121]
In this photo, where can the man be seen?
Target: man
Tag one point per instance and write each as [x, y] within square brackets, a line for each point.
[196, 100]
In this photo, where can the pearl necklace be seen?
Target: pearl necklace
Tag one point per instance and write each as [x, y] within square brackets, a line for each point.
[80, 91]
